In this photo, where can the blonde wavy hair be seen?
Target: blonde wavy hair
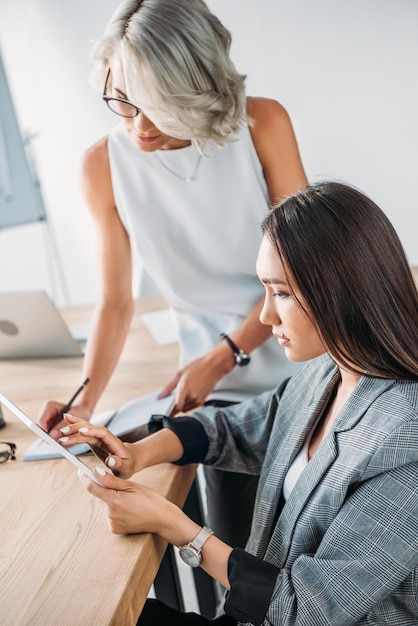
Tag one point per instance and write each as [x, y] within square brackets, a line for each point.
[175, 58]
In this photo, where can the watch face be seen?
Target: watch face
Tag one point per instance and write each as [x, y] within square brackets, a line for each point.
[190, 556]
[242, 359]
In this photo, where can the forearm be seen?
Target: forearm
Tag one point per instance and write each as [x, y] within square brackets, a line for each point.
[252, 333]
[161, 447]
[179, 530]
[238, 571]
[248, 336]
[110, 326]
[215, 559]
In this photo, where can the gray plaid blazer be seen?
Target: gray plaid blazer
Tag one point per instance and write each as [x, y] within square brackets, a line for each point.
[346, 541]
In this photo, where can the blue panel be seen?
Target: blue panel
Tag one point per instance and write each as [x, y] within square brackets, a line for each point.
[20, 196]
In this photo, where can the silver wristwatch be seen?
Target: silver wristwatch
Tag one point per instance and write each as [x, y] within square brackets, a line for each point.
[191, 552]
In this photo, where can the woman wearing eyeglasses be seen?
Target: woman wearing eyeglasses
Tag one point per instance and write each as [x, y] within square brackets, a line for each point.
[185, 178]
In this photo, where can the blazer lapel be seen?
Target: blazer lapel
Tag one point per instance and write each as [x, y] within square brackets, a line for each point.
[362, 397]
[279, 457]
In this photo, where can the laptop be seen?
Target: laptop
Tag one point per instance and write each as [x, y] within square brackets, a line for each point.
[31, 327]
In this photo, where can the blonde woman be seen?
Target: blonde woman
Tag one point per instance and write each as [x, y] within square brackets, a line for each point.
[186, 177]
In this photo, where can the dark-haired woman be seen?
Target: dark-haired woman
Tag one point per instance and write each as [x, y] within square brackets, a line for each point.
[334, 538]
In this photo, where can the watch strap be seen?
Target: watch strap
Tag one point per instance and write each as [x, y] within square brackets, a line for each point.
[201, 538]
[230, 343]
[241, 357]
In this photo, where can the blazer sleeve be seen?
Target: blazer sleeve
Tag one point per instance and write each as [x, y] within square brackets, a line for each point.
[365, 567]
[233, 438]
[238, 435]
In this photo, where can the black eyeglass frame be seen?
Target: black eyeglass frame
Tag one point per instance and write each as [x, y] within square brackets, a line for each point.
[110, 99]
[10, 455]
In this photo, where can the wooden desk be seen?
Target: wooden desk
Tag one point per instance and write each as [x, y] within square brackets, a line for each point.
[59, 563]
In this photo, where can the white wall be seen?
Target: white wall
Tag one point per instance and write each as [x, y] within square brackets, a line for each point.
[346, 72]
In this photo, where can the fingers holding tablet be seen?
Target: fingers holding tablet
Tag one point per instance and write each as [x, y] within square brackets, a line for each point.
[112, 451]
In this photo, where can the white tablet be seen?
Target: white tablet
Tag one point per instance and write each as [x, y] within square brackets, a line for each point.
[40, 432]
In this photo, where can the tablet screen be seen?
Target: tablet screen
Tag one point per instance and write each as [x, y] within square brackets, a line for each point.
[40, 432]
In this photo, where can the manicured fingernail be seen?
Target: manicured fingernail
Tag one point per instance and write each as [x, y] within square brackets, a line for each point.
[63, 439]
[100, 471]
[111, 462]
[65, 430]
[83, 430]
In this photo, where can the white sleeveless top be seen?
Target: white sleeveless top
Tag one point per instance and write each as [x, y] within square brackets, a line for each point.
[199, 241]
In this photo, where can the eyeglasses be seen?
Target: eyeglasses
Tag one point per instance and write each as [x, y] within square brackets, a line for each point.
[119, 105]
[7, 451]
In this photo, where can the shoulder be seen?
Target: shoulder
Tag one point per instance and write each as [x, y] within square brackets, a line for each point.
[409, 391]
[398, 406]
[96, 180]
[393, 422]
[276, 147]
[95, 168]
[385, 430]
[398, 401]
[269, 122]
[266, 111]
[96, 157]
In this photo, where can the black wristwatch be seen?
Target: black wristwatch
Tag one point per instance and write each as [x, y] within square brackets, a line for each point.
[241, 357]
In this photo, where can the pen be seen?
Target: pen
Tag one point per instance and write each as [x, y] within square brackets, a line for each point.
[67, 407]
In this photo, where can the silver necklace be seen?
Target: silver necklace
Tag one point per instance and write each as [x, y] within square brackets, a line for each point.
[189, 179]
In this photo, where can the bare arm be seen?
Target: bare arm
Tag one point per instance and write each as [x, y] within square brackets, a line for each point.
[113, 313]
[275, 142]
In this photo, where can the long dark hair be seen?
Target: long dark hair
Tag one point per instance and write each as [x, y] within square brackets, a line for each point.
[344, 256]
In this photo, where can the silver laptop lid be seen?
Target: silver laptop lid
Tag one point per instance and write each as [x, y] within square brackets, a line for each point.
[32, 327]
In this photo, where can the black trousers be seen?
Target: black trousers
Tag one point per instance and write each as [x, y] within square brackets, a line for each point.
[230, 499]
[155, 613]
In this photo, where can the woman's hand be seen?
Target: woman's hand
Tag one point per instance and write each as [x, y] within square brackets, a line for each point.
[50, 412]
[132, 508]
[194, 382]
[121, 457]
